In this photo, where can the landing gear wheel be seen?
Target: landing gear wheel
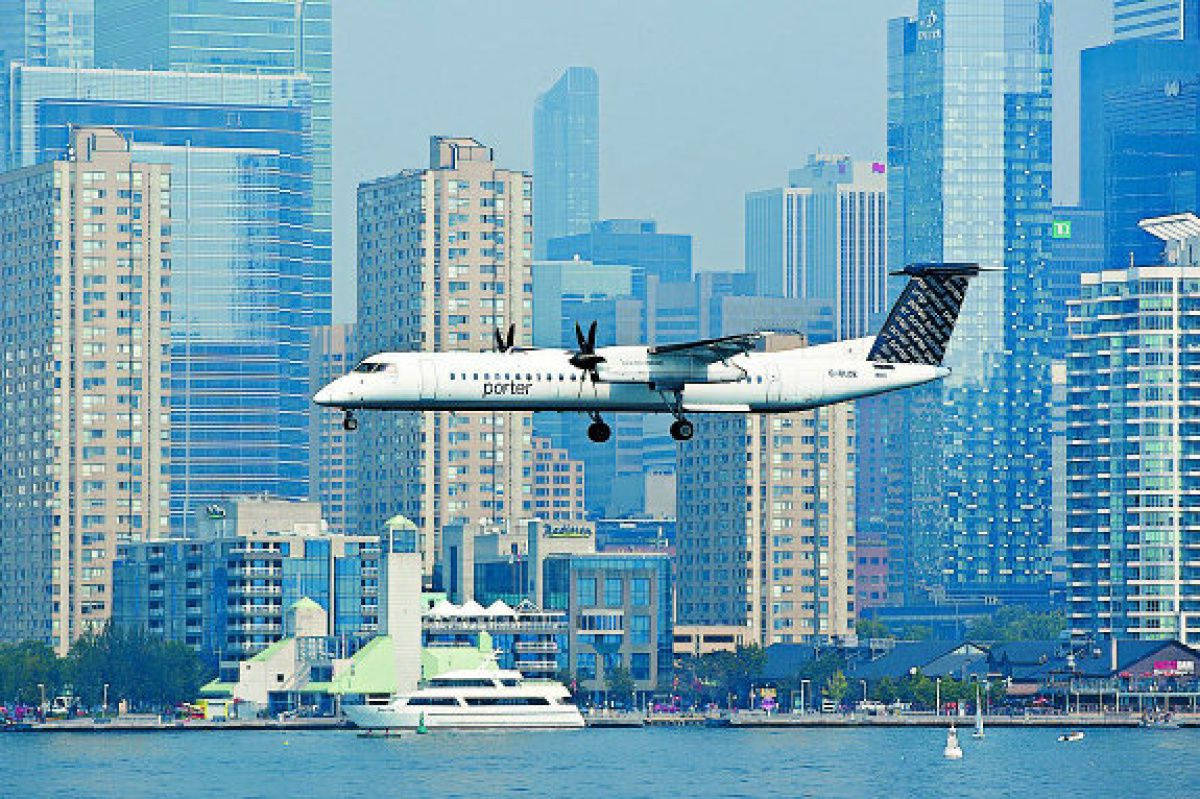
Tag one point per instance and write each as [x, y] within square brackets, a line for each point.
[349, 423]
[599, 431]
[682, 430]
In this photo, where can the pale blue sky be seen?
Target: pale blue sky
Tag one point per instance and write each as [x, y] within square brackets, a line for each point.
[700, 101]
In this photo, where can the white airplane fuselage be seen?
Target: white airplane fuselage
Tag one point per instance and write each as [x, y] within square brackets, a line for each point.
[630, 378]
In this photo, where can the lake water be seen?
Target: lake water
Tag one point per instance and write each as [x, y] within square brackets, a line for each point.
[634, 763]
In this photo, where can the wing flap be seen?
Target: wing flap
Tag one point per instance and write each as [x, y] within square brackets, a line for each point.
[711, 350]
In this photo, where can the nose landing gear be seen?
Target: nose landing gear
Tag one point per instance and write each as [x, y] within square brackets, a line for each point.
[598, 431]
[682, 429]
[349, 423]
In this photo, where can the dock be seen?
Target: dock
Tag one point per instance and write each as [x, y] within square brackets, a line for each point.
[749, 720]
[154, 724]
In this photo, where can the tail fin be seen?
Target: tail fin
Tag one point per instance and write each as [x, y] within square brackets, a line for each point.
[921, 321]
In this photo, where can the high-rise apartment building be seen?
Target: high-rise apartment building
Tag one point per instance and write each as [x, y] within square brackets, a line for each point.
[824, 237]
[246, 283]
[1133, 508]
[86, 384]
[443, 261]
[260, 37]
[566, 157]
[765, 531]
[330, 447]
[969, 180]
[1155, 19]
[1139, 140]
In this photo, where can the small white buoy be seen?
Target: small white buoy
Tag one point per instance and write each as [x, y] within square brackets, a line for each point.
[952, 751]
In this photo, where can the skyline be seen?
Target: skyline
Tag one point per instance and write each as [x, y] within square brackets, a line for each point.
[640, 99]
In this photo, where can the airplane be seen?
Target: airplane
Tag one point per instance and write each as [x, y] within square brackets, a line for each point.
[715, 375]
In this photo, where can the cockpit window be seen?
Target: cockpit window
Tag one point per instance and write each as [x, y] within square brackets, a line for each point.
[369, 367]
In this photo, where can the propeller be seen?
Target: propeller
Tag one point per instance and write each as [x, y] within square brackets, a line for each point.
[504, 344]
[586, 358]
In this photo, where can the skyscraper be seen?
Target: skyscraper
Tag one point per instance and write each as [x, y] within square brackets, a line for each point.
[246, 283]
[1133, 526]
[263, 37]
[630, 242]
[824, 237]
[765, 527]
[84, 419]
[969, 180]
[330, 448]
[46, 33]
[566, 157]
[1156, 19]
[1139, 144]
[444, 260]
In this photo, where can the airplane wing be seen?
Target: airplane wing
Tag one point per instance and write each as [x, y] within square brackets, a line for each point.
[711, 350]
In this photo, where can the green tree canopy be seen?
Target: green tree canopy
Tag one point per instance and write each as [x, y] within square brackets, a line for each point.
[23, 666]
[1017, 623]
[620, 685]
[871, 628]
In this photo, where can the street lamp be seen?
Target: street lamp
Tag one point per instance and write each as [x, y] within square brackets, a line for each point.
[42, 688]
[105, 700]
[937, 702]
[803, 705]
[864, 685]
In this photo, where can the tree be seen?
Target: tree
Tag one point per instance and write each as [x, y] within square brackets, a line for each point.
[731, 673]
[23, 666]
[835, 688]
[1017, 623]
[871, 628]
[145, 670]
[915, 632]
[620, 685]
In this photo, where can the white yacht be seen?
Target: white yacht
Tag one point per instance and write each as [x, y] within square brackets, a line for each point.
[482, 698]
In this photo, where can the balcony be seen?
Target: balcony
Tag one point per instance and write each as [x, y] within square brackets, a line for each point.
[254, 571]
[257, 627]
[547, 647]
[256, 590]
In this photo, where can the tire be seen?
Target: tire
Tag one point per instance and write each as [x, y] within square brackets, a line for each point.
[350, 424]
[682, 430]
[599, 432]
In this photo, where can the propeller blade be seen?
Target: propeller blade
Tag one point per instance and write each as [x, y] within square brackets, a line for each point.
[579, 338]
[499, 341]
[591, 339]
[512, 334]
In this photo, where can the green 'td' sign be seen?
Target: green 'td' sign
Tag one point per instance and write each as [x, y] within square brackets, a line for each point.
[1061, 229]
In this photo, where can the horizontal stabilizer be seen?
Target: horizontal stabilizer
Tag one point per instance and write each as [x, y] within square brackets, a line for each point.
[920, 323]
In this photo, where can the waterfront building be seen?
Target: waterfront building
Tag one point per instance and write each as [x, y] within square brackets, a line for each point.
[1139, 141]
[697, 640]
[870, 575]
[635, 534]
[630, 242]
[532, 641]
[765, 535]
[1156, 19]
[225, 591]
[245, 283]
[265, 37]
[620, 611]
[86, 322]
[969, 180]
[566, 157]
[1132, 526]
[443, 262]
[330, 451]
[824, 237]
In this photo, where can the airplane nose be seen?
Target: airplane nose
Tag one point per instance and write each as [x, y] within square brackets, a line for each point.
[324, 396]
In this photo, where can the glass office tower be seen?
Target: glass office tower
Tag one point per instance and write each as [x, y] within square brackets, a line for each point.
[1139, 143]
[247, 282]
[969, 180]
[566, 157]
[263, 37]
[1155, 19]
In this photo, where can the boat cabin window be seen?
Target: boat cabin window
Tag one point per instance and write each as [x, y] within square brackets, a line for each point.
[369, 367]
[509, 681]
[507, 700]
[429, 701]
[462, 682]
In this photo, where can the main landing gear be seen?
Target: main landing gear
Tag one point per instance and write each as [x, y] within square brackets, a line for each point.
[598, 430]
[349, 423]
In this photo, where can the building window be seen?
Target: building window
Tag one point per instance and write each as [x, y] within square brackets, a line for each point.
[639, 629]
[585, 591]
[639, 591]
[614, 594]
[585, 666]
[639, 665]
